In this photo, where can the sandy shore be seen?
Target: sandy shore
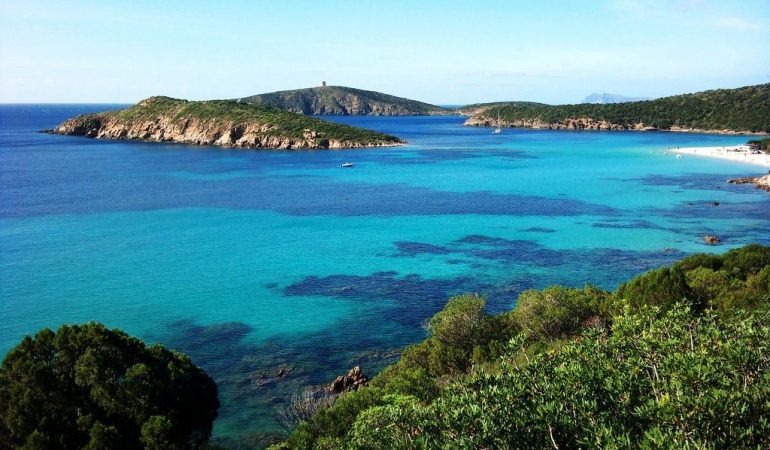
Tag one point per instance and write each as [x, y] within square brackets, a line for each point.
[737, 153]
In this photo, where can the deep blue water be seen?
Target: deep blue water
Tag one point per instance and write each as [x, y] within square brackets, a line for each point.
[252, 261]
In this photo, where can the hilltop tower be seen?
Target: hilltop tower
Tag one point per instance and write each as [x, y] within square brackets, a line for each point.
[323, 84]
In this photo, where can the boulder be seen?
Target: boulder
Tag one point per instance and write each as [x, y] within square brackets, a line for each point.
[350, 382]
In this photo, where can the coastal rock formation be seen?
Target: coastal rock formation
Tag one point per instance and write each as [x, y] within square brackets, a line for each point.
[711, 239]
[762, 182]
[350, 382]
[581, 123]
[344, 101]
[221, 123]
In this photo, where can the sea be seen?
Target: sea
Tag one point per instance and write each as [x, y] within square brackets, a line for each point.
[276, 271]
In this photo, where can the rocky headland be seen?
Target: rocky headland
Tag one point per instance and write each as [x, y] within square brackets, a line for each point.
[743, 110]
[220, 123]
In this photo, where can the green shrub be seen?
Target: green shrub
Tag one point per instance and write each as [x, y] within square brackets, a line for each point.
[660, 379]
[556, 312]
[746, 260]
[662, 287]
[461, 323]
[86, 386]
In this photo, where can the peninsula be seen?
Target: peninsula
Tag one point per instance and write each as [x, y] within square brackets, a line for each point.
[744, 110]
[344, 101]
[222, 123]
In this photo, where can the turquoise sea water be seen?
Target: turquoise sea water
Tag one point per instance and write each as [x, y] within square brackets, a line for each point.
[253, 261]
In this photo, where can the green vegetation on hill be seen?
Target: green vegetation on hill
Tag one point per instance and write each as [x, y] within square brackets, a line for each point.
[277, 121]
[341, 100]
[482, 108]
[94, 388]
[741, 109]
[678, 357]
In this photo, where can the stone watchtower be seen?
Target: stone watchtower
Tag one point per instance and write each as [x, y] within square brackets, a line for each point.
[323, 84]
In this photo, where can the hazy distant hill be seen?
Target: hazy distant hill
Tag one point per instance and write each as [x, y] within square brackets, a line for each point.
[220, 122]
[604, 98]
[745, 109]
[341, 100]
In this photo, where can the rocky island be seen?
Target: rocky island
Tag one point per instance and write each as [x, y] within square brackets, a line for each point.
[744, 110]
[221, 123]
[344, 101]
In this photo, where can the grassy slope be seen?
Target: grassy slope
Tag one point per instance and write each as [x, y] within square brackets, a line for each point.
[282, 123]
[301, 99]
[741, 109]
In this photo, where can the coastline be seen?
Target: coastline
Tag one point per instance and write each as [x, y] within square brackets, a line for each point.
[735, 153]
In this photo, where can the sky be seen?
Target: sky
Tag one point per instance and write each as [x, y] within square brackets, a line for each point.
[442, 52]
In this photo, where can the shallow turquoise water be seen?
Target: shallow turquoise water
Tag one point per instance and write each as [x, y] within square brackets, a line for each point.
[251, 261]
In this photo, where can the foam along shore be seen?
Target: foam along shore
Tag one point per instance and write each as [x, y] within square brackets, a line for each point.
[737, 153]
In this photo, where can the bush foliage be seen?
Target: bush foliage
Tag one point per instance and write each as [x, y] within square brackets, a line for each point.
[85, 386]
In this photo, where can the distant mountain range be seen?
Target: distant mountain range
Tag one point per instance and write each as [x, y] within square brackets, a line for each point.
[345, 101]
[605, 98]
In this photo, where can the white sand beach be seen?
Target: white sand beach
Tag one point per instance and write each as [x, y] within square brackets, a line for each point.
[737, 153]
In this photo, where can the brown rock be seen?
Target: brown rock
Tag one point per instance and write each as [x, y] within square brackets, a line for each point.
[711, 239]
[350, 382]
[758, 182]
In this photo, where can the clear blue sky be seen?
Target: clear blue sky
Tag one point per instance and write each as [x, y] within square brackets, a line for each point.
[444, 52]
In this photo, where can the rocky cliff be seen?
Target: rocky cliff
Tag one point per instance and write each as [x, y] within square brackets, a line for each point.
[341, 100]
[221, 123]
[580, 123]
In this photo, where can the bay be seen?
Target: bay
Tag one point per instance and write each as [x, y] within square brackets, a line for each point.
[257, 261]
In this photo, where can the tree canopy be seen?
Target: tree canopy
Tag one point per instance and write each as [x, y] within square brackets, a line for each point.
[86, 386]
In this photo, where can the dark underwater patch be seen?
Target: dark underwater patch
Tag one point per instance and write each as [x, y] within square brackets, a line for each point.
[636, 224]
[701, 181]
[210, 345]
[487, 248]
[412, 290]
[539, 230]
[409, 248]
[737, 210]
[516, 251]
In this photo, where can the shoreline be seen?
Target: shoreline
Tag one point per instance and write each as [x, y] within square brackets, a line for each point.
[735, 153]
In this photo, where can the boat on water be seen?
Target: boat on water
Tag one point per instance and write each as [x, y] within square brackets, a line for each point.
[497, 128]
[347, 164]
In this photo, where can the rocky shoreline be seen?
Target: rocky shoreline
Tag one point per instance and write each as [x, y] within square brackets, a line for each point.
[589, 124]
[762, 182]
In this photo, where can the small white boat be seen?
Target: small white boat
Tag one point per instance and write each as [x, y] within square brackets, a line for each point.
[497, 128]
[679, 156]
[347, 164]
